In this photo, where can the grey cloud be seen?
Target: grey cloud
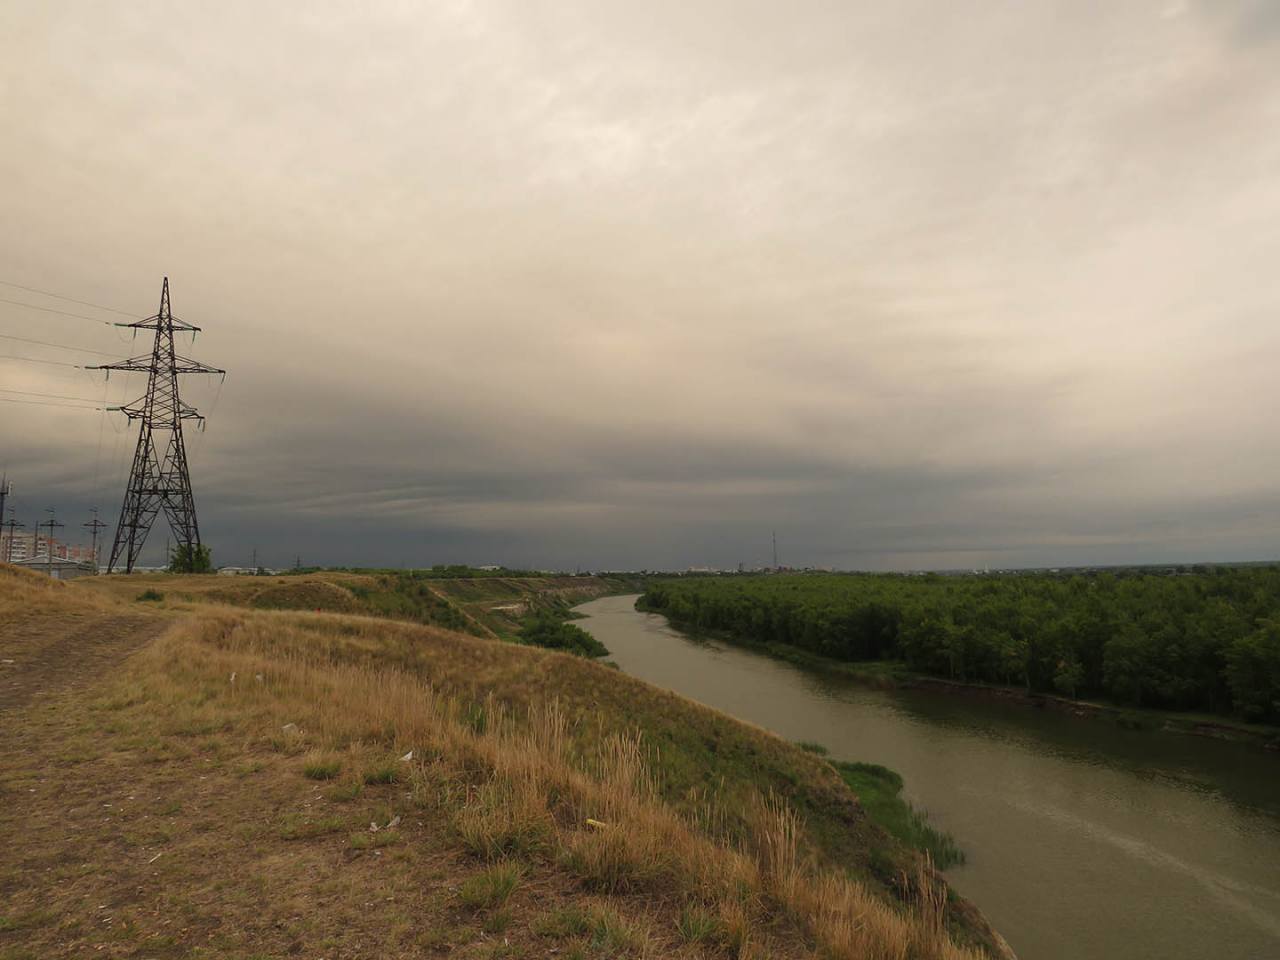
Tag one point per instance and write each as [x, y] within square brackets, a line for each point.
[629, 285]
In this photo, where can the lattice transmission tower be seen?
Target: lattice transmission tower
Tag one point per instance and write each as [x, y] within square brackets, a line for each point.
[159, 478]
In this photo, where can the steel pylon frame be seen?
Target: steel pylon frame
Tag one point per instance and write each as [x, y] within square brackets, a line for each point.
[159, 478]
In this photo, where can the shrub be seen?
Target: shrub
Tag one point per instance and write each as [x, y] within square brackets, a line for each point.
[544, 630]
[190, 558]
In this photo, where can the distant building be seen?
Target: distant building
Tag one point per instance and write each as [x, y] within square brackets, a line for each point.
[18, 546]
[74, 551]
[59, 568]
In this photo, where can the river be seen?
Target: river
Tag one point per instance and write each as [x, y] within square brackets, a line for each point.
[1084, 840]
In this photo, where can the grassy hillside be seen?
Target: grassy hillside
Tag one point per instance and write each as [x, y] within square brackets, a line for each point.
[547, 805]
[493, 606]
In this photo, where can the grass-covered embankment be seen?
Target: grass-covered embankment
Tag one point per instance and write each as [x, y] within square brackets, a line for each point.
[879, 792]
[491, 604]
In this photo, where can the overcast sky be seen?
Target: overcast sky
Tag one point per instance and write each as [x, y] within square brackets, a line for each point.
[918, 284]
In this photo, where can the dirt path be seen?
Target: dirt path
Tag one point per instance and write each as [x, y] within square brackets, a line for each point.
[55, 654]
[457, 605]
[132, 830]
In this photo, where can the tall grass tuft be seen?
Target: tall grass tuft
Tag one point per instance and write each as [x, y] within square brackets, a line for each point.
[492, 887]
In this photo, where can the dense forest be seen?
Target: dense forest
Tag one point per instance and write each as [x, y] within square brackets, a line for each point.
[1206, 638]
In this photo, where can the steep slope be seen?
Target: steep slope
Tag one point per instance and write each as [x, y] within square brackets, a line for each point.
[551, 805]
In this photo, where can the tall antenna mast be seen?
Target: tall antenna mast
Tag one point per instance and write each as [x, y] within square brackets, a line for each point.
[775, 549]
[159, 478]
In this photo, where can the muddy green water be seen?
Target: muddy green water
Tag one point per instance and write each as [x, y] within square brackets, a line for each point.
[1083, 840]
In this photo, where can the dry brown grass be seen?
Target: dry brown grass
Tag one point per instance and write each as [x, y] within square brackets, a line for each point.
[24, 592]
[521, 757]
[524, 783]
[46, 624]
[236, 591]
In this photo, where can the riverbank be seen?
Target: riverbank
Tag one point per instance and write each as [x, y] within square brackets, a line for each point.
[893, 675]
[1069, 826]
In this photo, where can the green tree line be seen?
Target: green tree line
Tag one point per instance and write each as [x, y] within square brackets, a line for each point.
[1206, 638]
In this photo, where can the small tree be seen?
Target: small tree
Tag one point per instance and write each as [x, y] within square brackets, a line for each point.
[190, 558]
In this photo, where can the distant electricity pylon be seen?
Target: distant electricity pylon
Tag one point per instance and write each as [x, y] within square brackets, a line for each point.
[51, 523]
[94, 525]
[159, 478]
[13, 526]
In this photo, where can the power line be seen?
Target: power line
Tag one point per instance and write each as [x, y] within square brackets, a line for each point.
[58, 296]
[56, 363]
[59, 346]
[51, 396]
[46, 403]
[62, 313]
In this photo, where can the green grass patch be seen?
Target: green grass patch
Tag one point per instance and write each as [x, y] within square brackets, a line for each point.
[374, 841]
[299, 827]
[149, 596]
[322, 769]
[613, 934]
[697, 924]
[491, 887]
[346, 793]
[497, 922]
[561, 924]
[387, 773]
[879, 790]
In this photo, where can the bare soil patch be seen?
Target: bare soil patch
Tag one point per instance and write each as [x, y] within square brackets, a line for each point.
[41, 655]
